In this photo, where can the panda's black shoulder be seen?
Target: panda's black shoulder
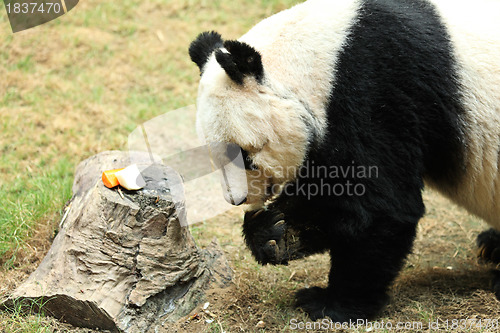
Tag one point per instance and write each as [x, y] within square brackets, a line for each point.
[397, 91]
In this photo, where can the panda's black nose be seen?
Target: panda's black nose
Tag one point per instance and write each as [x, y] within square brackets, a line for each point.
[233, 197]
[234, 200]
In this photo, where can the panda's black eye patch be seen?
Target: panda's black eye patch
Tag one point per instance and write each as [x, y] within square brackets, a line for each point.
[247, 161]
[229, 153]
[232, 151]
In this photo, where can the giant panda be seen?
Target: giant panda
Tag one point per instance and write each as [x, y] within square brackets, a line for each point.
[410, 87]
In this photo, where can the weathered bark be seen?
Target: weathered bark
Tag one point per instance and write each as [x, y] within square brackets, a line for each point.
[122, 264]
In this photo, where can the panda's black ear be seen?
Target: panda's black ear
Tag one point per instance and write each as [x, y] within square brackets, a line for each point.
[203, 46]
[240, 59]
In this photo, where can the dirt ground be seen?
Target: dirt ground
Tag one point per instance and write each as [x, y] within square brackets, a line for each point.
[442, 280]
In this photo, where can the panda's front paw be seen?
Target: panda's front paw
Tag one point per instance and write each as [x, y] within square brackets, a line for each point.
[263, 230]
[488, 243]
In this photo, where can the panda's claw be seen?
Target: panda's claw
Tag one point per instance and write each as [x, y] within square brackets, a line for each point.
[274, 250]
[280, 223]
[480, 252]
[254, 213]
[488, 243]
[489, 246]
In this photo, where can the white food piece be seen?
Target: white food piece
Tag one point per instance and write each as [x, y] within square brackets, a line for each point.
[130, 178]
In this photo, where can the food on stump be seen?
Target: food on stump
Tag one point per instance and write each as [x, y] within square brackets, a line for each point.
[109, 178]
[130, 178]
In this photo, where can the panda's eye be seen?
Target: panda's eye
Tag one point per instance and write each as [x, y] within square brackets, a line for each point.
[248, 161]
[230, 152]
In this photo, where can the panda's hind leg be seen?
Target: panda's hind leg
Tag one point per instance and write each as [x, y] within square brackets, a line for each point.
[488, 243]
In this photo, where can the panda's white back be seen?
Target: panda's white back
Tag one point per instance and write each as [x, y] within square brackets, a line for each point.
[474, 28]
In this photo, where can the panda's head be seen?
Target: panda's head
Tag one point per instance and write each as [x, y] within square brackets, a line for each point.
[241, 103]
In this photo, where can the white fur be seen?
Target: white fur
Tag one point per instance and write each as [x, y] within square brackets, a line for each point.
[298, 47]
[474, 27]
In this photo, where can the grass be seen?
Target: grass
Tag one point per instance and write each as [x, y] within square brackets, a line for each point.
[29, 200]
[80, 84]
[26, 317]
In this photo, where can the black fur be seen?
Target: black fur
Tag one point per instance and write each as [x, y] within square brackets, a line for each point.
[262, 225]
[259, 227]
[241, 60]
[203, 46]
[488, 243]
[395, 105]
[496, 283]
[247, 161]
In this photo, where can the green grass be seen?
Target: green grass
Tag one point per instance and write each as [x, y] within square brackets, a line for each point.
[26, 317]
[29, 199]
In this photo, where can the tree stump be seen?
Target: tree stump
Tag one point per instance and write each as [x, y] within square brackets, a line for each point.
[122, 264]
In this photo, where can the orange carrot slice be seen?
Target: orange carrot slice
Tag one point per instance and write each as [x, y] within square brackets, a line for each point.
[109, 178]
